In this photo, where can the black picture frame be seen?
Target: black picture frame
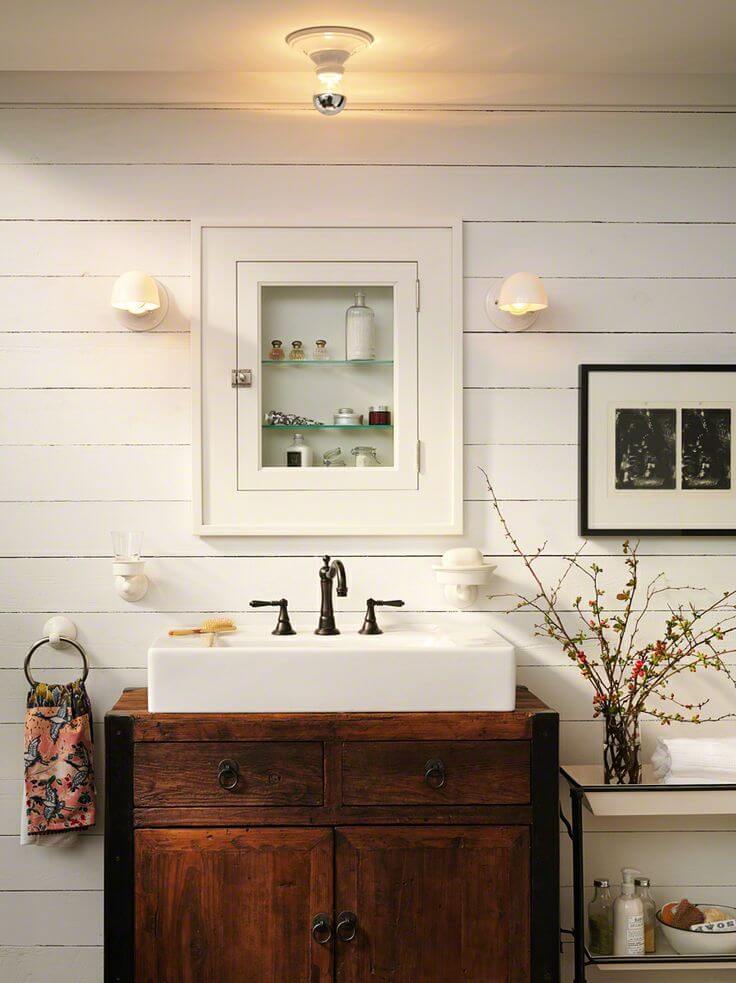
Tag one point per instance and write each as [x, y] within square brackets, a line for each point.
[584, 373]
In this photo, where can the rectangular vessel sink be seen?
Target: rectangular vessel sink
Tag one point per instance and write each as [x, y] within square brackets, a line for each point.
[441, 665]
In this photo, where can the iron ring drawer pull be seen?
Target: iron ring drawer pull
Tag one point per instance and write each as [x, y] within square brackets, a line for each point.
[434, 773]
[321, 928]
[228, 774]
[346, 927]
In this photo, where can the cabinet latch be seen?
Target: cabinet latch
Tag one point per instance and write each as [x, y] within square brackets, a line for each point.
[241, 378]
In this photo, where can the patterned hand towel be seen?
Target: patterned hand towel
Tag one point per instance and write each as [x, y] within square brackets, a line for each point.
[58, 751]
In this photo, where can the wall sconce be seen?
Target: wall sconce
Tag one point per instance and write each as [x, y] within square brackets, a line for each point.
[329, 48]
[130, 581]
[516, 303]
[139, 301]
[463, 571]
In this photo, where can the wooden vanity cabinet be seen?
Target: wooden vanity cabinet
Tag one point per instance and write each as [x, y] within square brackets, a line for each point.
[307, 848]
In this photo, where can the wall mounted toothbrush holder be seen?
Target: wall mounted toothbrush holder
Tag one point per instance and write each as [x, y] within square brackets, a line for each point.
[131, 583]
[462, 572]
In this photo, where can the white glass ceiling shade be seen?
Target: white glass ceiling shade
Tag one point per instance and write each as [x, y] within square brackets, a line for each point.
[522, 293]
[140, 302]
[135, 292]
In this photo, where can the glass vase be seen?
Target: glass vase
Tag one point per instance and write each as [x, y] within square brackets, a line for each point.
[622, 750]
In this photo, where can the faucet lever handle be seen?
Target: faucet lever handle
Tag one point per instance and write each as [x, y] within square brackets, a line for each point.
[370, 625]
[283, 625]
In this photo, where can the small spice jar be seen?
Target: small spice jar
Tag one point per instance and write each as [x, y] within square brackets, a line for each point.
[365, 457]
[347, 417]
[277, 352]
[320, 353]
[379, 416]
[297, 352]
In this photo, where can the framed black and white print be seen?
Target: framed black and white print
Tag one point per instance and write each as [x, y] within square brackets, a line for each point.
[657, 450]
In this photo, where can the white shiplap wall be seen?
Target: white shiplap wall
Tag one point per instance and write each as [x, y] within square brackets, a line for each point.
[629, 216]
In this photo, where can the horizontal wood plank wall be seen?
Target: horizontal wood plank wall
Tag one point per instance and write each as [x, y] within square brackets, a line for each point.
[629, 216]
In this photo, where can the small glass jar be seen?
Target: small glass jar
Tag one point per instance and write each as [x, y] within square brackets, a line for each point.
[379, 416]
[365, 457]
[600, 920]
[297, 352]
[333, 458]
[277, 352]
[320, 353]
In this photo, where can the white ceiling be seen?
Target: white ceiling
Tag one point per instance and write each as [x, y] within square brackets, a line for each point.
[481, 36]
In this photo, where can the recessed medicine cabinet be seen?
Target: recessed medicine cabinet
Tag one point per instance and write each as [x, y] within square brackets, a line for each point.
[327, 380]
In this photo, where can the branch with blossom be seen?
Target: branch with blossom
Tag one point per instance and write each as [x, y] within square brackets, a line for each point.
[629, 677]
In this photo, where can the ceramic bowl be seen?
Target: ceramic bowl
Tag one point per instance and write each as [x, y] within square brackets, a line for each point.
[689, 943]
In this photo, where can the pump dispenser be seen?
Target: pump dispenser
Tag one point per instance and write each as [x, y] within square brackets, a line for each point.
[628, 917]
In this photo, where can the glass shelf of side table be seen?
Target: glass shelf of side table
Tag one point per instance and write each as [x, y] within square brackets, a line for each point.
[588, 789]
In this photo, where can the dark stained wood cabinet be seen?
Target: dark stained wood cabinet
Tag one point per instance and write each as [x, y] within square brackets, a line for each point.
[314, 848]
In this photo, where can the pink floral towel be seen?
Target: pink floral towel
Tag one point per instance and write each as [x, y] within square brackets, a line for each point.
[60, 784]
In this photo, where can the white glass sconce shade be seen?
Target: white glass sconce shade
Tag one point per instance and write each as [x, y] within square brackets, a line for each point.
[516, 303]
[130, 581]
[140, 301]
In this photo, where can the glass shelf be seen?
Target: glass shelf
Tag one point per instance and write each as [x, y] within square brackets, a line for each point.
[326, 361]
[326, 426]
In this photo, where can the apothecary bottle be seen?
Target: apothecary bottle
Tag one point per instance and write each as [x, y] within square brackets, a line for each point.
[600, 919]
[297, 352]
[641, 889]
[360, 331]
[277, 352]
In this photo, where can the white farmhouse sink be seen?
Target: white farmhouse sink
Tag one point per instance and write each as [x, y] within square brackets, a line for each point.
[452, 663]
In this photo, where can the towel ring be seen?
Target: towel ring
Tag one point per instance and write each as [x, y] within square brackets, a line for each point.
[45, 641]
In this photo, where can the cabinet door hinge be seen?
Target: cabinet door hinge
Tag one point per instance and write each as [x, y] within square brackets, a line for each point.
[419, 455]
[418, 296]
[241, 378]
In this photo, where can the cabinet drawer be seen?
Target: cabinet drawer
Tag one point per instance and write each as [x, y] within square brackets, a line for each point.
[442, 772]
[204, 774]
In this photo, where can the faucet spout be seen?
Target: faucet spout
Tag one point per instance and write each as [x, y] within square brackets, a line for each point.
[329, 571]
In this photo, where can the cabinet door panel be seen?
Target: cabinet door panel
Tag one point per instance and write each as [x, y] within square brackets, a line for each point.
[214, 905]
[436, 904]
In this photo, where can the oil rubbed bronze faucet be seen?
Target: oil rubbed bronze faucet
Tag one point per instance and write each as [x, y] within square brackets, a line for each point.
[330, 570]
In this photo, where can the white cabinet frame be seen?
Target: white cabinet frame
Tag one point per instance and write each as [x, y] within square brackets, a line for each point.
[419, 495]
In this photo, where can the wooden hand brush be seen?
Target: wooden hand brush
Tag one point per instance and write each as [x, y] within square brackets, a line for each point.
[211, 627]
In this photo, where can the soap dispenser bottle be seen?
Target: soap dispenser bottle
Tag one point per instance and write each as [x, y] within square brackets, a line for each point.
[628, 917]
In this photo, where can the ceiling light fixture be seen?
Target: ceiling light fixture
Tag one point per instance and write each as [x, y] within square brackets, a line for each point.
[329, 48]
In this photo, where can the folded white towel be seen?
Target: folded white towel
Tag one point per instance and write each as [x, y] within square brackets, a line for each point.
[692, 761]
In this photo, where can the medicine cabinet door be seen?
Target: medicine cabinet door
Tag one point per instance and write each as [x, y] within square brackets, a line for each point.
[341, 415]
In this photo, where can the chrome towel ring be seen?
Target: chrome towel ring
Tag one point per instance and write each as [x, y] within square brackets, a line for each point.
[45, 641]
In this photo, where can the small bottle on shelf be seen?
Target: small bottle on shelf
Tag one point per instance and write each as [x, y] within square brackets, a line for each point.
[360, 331]
[277, 352]
[298, 454]
[297, 352]
[600, 919]
[642, 886]
[320, 353]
